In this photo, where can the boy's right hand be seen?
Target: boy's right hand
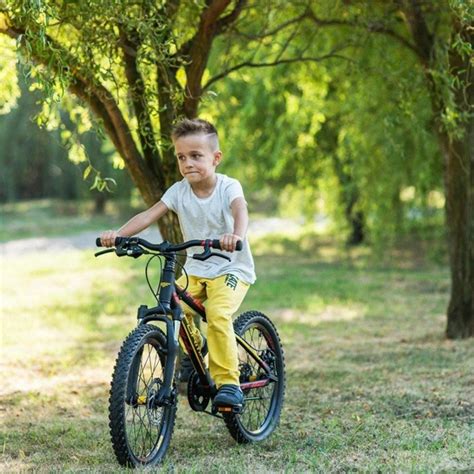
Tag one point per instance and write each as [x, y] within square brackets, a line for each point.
[107, 238]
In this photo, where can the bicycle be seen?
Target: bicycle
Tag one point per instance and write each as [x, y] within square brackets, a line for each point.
[143, 394]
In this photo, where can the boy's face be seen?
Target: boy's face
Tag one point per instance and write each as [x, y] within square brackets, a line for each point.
[197, 160]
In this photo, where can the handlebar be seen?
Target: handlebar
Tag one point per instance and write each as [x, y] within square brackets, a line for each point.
[135, 247]
[166, 246]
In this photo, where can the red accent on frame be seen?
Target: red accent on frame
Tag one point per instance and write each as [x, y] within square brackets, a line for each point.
[195, 301]
[256, 384]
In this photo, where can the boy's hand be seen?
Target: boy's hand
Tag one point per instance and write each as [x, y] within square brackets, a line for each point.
[107, 238]
[228, 241]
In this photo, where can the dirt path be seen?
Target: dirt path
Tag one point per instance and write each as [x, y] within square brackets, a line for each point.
[86, 240]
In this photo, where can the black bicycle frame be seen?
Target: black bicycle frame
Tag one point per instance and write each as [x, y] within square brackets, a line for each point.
[170, 312]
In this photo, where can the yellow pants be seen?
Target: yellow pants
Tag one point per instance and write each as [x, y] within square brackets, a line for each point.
[222, 297]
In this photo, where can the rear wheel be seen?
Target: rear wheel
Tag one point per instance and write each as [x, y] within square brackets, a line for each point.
[262, 406]
[140, 430]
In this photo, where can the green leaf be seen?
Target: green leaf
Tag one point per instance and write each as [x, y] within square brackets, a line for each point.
[87, 172]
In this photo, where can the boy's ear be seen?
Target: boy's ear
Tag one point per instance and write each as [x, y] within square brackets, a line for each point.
[217, 157]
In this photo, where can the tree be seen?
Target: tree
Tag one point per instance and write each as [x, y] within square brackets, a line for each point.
[449, 76]
[140, 65]
[136, 65]
[441, 36]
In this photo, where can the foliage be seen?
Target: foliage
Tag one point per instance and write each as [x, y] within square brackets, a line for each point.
[344, 112]
[343, 130]
[52, 175]
[152, 62]
[8, 75]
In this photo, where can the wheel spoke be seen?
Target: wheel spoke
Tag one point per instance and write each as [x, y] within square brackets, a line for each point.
[258, 401]
[143, 426]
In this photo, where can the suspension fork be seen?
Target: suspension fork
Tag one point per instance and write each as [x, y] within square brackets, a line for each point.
[171, 314]
[173, 319]
[131, 395]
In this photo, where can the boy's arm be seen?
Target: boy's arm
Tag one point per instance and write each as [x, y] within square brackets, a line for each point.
[135, 225]
[241, 222]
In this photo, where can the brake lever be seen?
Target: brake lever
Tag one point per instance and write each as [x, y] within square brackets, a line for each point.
[102, 252]
[217, 254]
[207, 254]
[202, 256]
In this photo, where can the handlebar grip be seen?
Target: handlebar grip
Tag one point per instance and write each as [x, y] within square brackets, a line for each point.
[216, 244]
[118, 241]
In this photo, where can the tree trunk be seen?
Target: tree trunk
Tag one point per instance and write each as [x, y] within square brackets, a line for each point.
[349, 197]
[356, 221]
[457, 148]
[168, 224]
[459, 189]
[100, 199]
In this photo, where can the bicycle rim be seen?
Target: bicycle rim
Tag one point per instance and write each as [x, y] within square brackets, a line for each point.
[140, 430]
[144, 423]
[262, 405]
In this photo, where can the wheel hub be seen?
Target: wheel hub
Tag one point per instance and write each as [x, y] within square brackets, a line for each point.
[153, 413]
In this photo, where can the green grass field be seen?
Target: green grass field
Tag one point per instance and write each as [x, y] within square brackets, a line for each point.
[372, 383]
[27, 219]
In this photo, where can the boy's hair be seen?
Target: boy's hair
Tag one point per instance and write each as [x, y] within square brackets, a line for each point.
[194, 127]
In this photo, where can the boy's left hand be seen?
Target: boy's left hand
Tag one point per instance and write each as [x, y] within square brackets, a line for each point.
[229, 241]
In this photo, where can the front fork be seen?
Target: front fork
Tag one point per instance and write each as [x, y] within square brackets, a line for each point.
[166, 394]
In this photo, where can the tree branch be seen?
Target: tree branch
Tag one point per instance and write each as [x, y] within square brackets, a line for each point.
[375, 27]
[199, 50]
[97, 97]
[419, 29]
[228, 20]
[130, 45]
[275, 30]
[272, 63]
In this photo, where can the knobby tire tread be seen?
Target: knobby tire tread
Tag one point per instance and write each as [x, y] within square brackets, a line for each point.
[231, 421]
[117, 396]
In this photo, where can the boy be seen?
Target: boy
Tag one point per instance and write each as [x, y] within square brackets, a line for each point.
[209, 206]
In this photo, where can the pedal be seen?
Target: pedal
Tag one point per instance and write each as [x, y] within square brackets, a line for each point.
[228, 409]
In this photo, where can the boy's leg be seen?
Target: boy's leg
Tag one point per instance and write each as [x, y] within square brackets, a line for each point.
[197, 289]
[224, 296]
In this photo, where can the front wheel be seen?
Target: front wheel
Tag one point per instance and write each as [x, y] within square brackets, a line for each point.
[262, 405]
[140, 430]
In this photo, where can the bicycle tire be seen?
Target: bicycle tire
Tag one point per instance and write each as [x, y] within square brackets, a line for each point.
[133, 386]
[258, 420]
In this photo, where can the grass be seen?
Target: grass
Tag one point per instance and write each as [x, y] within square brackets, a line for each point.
[372, 383]
[34, 218]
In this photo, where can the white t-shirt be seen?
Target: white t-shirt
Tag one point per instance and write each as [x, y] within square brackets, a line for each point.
[210, 218]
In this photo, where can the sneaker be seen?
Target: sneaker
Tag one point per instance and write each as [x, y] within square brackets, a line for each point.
[187, 366]
[229, 395]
